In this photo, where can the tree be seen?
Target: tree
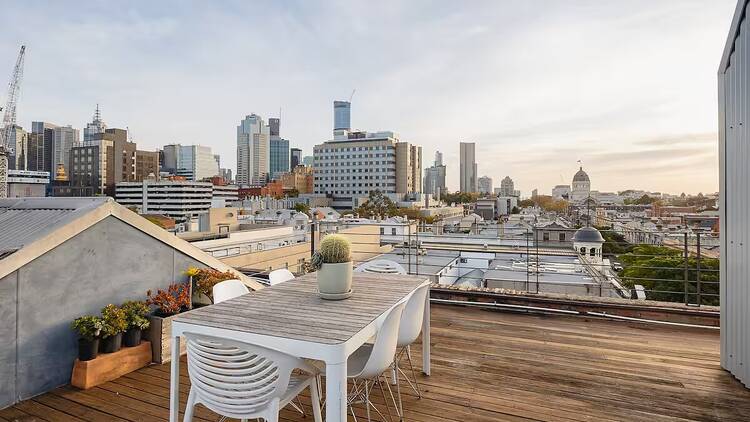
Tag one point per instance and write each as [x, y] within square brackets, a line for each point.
[377, 204]
[515, 210]
[526, 203]
[302, 207]
[460, 197]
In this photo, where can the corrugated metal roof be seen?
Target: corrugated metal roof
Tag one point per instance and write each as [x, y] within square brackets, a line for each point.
[24, 220]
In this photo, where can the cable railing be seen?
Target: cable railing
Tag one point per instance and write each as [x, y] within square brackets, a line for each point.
[616, 268]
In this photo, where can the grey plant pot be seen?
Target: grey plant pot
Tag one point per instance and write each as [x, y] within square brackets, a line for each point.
[335, 279]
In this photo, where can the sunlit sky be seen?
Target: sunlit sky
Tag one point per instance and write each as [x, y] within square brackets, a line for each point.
[628, 87]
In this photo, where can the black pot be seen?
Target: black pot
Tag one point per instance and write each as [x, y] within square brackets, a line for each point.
[132, 337]
[87, 349]
[111, 344]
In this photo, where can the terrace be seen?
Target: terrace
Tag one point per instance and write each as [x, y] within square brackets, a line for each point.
[492, 366]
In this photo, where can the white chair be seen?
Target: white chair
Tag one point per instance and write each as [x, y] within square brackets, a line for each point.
[279, 276]
[244, 381]
[367, 364]
[409, 329]
[229, 289]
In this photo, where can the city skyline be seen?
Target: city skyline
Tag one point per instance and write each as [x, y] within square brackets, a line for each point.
[632, 126]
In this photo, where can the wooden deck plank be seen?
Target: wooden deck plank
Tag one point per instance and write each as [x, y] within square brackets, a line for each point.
[493, 366]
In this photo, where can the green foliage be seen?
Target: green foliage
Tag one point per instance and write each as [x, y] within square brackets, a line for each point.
[88, 327]
[515, 210]
[524, 203]
[643, 200]
[661, 271]
[614, 243]
[377, 204]
[460, 197]
[335, 249]
[114, 320]
[302, 207]
[136, 313]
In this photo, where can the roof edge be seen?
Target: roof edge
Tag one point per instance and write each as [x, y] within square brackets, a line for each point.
[734, 29]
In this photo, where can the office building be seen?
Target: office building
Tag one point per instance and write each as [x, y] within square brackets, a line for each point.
[42, 147]
[484, 185]
[308, 160]
[561, 192]
[507, 187]
[253, 150]
[97, 126]
[194, 162]
[468, 167]
[348, 168]
[64, 139]
[295, 157]
[178, 199]
[300, 178]
[279, 156]
[18, 141]
[146, 165]
[342, 111]
[25, 183]
[274, 126]
[434, 179]
[226, 174]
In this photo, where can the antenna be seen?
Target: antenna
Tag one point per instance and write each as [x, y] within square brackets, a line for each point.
[352, 96]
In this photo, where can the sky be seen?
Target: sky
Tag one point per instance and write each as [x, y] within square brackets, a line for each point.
[627, 87]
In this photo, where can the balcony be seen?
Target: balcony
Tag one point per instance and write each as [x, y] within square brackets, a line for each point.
[493, 366]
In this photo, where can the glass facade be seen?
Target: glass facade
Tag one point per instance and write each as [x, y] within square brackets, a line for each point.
[279, 157]
[342, 111]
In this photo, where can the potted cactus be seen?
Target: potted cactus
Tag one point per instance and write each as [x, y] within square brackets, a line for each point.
[334, 263]
[115, 323]
[89, 328]
[136, 313]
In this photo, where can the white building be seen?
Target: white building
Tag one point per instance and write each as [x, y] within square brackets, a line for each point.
[24, 183]
[228, 193]
[581, 186]
[177, 199]
[561, 192]
[350, 167]
[468, 167]
[253, 150]
[484, 184]
[65, 138]
[507, 187]
[194, 162]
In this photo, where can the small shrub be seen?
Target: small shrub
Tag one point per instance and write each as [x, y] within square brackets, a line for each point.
[88, 327]
[136, 312]
[114, 320]
[171, 301]
[206, 278]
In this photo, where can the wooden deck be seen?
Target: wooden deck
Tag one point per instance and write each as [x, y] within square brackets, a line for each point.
[492, 366]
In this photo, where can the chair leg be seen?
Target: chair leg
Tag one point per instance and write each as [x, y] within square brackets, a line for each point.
[413, 374]
[400, 407]
[385, 399]
[315, 401]
[189, 407]
[367, 402]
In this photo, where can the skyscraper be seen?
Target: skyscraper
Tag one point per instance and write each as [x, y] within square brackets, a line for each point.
[65, 138]
[484, 184]
[279, 156]
[45, 146]
[274, 126]
[434, 179]
[96, 126]
[468, 167]
[342, 111]
[194, 162]
[295, 158]
[253, 150]
[507, 187]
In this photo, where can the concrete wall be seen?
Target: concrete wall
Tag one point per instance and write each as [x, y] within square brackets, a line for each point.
[110, 262]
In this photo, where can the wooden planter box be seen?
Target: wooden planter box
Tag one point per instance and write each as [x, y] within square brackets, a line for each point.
[109, 366]
[160, 336]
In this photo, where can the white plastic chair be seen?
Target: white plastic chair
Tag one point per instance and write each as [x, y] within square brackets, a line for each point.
[367, 364]
[279, 276]
[409, 329]
[229, 289]
[244, 381]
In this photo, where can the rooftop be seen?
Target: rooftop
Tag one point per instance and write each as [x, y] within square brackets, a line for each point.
[525, 368]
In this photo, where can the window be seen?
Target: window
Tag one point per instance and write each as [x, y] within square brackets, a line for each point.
[561, 237]
[382, 230]
[592, 252]
[393, 230]
[545, 236]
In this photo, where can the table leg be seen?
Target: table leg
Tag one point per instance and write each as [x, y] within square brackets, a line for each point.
[336, 392]
[174, 382]
[426, 336]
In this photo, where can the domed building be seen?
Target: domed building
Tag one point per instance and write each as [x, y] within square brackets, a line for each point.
[588, 242]
[581, 186]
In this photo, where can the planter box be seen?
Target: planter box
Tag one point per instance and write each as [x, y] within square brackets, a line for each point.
[160, 335]
[110, 366]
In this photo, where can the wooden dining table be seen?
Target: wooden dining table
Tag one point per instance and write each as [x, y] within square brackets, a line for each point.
[291, 318]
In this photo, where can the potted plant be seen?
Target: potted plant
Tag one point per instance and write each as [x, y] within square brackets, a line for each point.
[168, 303]
[89, 329]
[204, 280]
[334, 263]
[114, 324]
[136, 313]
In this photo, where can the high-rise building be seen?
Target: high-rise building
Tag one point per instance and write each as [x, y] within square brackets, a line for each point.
[507, 187]
[308, 160]
[350, 168]
[434, 179]
[484, 184]
[342, 111]
[226, 174]
[274, 126]
[96, 126]
[19, 141]
[44, 147]
[295, 157]
[279, 157]
[253, 150]
[65, 138]
[194, 162]
[146, 165]
[468, 167]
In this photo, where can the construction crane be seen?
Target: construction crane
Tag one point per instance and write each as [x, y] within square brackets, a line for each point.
[9, 121]
[352, 96]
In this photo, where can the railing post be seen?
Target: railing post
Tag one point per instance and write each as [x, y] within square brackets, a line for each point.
[408, 249]
[536, 244]
[687, 254]
[312, 237]
[527, 258]
[698, 266]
